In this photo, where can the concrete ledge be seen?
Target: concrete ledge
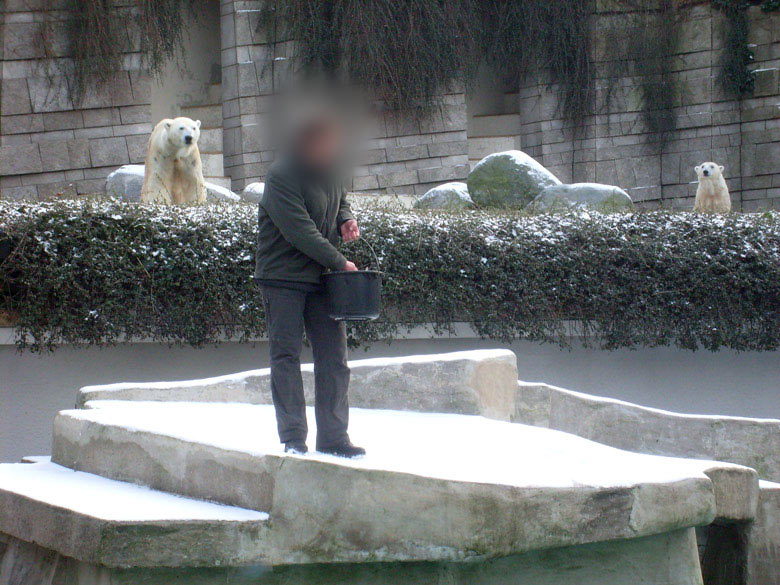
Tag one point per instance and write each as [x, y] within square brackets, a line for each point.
[431, 489]
[751, 442]
[105, 522]
[468, 382]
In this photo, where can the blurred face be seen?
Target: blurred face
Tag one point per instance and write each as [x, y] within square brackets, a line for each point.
[323, 146]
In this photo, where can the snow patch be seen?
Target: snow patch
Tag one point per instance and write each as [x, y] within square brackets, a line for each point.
[441, 446]
[108, 499]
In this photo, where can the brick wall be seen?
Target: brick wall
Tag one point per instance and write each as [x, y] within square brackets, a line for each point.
[744, 136]
[48, 146]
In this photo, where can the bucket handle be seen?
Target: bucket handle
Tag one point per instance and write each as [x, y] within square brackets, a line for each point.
[370, 247]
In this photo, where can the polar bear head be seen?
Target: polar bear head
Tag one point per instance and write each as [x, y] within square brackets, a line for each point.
[708, 170]
[182, 133]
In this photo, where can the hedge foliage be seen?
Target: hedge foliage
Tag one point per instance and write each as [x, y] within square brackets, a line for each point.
[98, 272]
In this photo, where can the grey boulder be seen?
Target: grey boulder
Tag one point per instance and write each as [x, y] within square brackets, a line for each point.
[126, 182]
[218, 193]
[594, 196]
[453, 195]
[509, 179]
[253, 192]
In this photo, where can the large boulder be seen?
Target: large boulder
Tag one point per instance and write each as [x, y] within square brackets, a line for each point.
[126, 182]
[508, 179]
[453, 195]
[594, 196]
[218, 193]
[253, 192]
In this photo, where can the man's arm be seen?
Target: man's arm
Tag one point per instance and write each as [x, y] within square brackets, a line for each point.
[345, 210]
[348, 227]
[283, 202]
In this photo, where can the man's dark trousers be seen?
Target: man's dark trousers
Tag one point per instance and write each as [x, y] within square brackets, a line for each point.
[288, 313]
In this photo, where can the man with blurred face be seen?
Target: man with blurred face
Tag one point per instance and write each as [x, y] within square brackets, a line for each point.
[302, 214]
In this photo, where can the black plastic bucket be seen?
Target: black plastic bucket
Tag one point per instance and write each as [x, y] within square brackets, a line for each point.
[354, 295]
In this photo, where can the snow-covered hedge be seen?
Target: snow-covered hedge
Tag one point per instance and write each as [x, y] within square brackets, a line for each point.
[95, 272]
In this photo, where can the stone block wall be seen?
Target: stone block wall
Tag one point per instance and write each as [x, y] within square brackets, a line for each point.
[404, 155]
[743, 135]
[48, 145]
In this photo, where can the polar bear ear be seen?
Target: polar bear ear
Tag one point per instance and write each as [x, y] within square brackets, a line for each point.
[197, 123]
[697, 168]
[722, 168]
[167, 124]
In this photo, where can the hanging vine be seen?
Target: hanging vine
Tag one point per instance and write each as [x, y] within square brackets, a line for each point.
[736, 77]
[100, 32]
[520, 39]
[407, 52]
[95, 44]
[647, 43]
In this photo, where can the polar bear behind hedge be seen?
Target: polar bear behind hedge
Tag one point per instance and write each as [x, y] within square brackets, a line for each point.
[712, 196]
[174, 172]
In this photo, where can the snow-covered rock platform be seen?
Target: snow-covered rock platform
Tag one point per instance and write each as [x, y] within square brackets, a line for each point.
[433, 486]
[148, 482]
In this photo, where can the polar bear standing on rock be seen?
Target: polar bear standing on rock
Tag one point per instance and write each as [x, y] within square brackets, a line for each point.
[174, 172]
[712, 196]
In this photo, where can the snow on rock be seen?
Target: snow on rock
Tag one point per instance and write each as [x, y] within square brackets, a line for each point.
[110, 523]
[125, 183]
[468, 382]
[442, 446]
[752, 442]
[218, 193]
[109, 499]
[508, 179]
[252, 192]
[595, 196]
[454, 195]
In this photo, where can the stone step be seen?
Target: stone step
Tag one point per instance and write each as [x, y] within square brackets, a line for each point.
[212, 165]
[490, 125]
[210, 116]
[224, 182]
[479, 148]
[464, 382]
[493, 103]
[115, 524]
[212, 96]
[210, 141]
[432, 487]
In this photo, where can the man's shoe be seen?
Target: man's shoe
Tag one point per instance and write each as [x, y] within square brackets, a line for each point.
[296, 448]
[345, 449]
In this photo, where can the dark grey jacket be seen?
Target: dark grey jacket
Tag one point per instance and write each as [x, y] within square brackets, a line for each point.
[299, 219]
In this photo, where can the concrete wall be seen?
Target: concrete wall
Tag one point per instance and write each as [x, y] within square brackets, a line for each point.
[744, 136]
[34, 387]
